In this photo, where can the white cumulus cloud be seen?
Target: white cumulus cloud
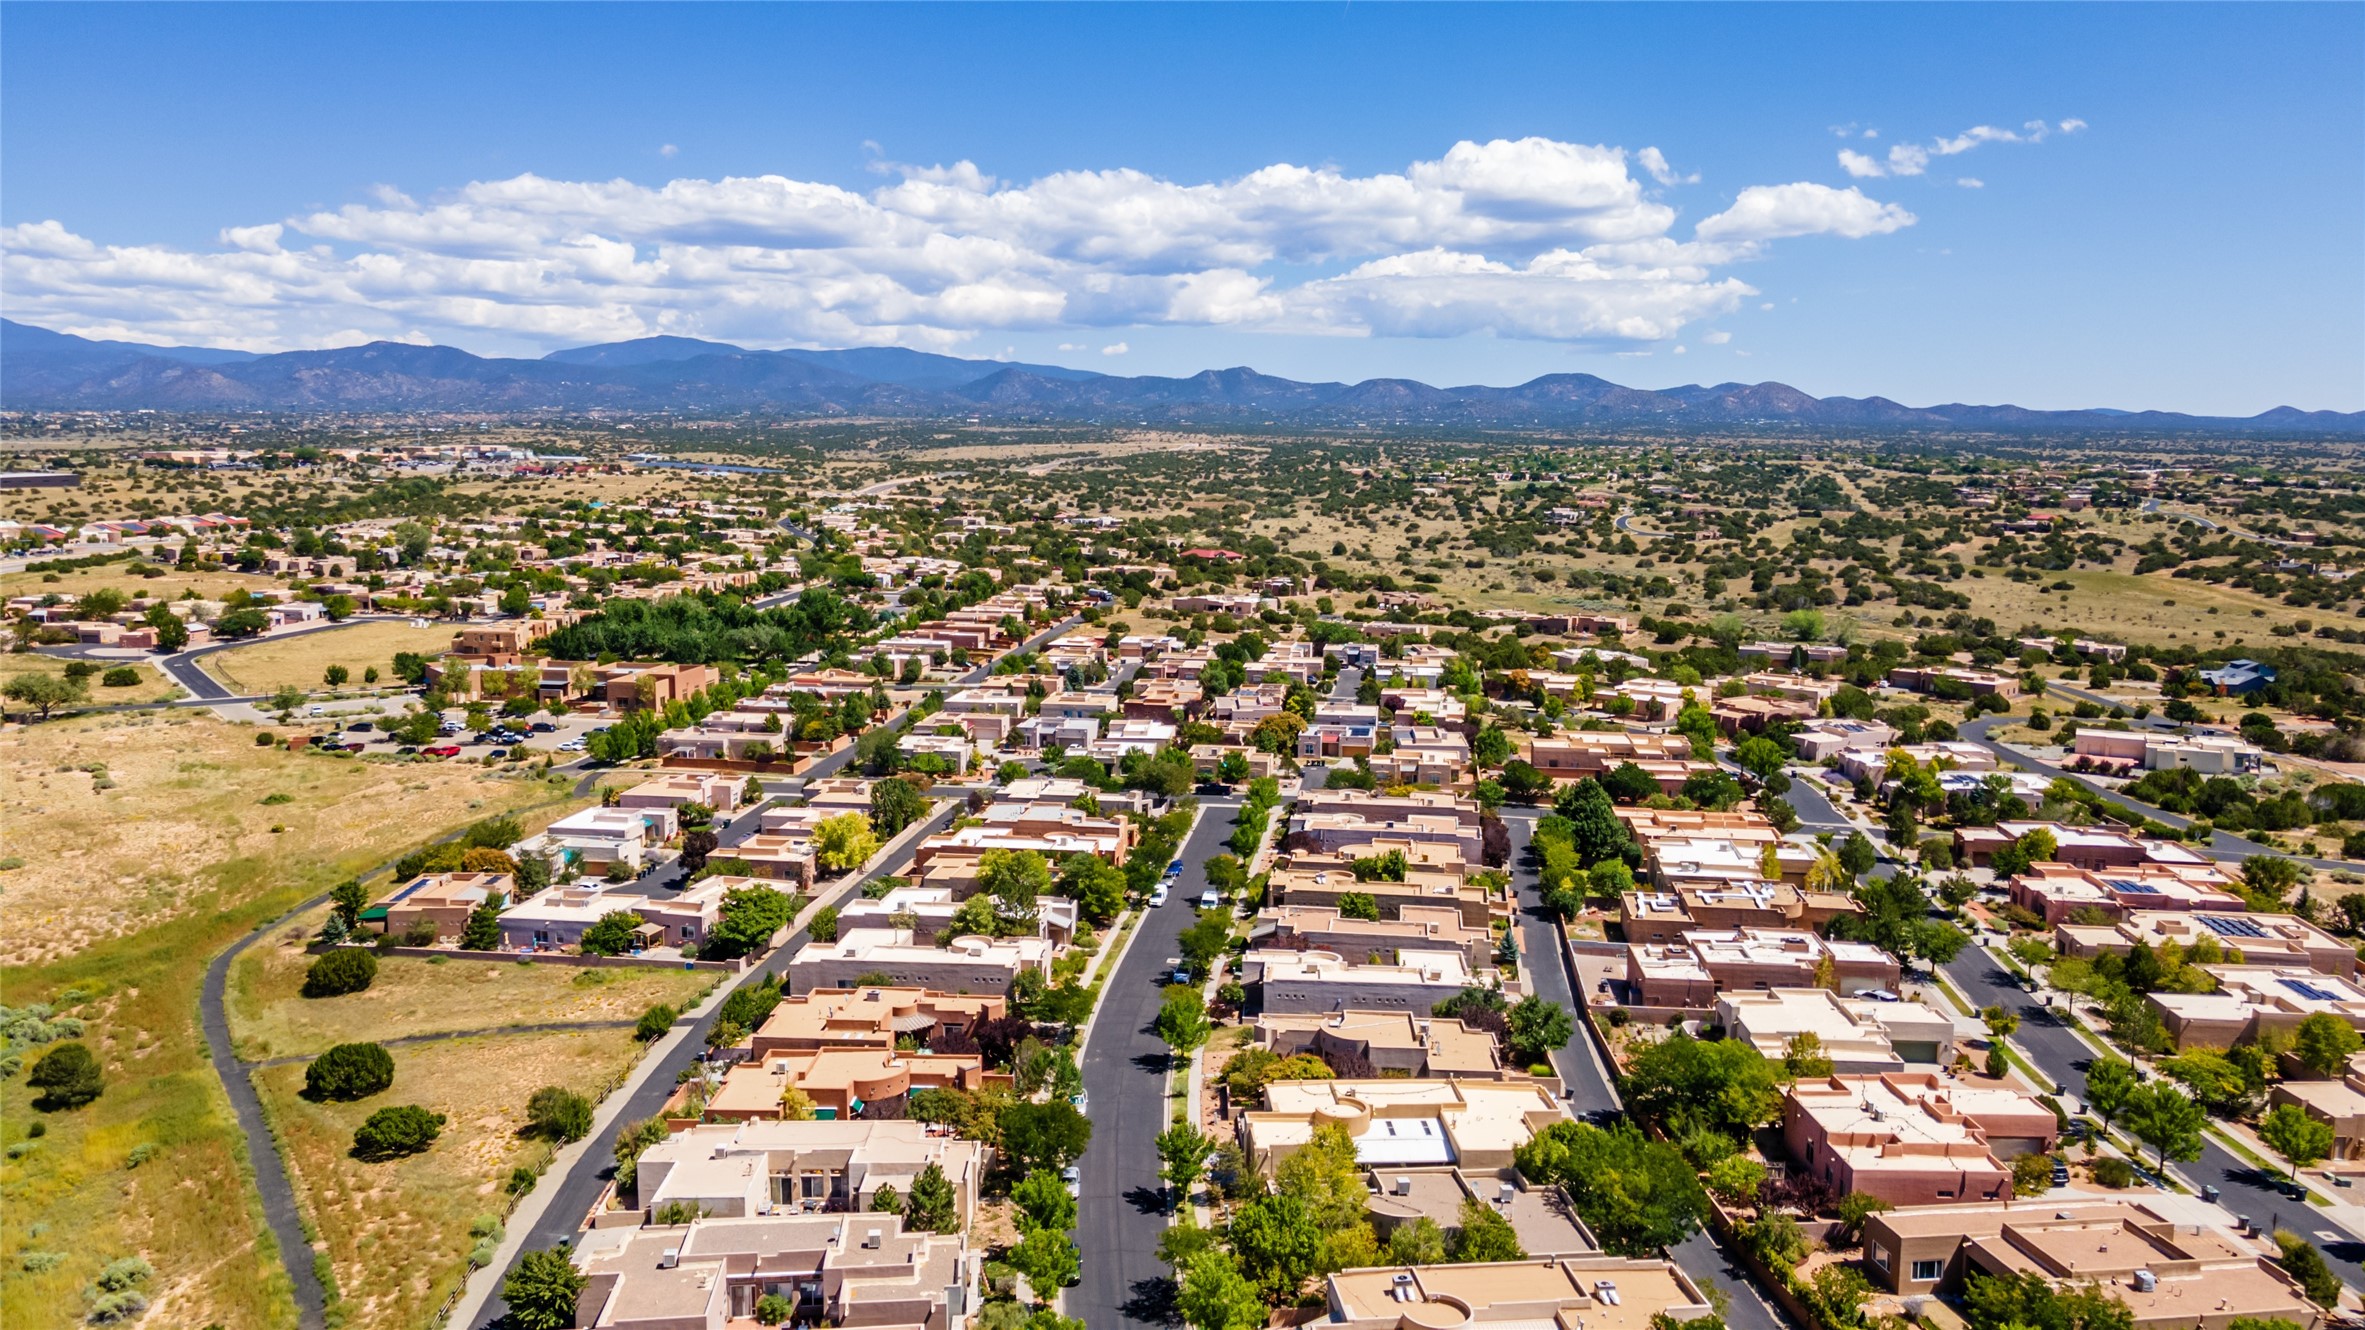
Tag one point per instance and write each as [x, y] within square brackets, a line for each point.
[1529, 238]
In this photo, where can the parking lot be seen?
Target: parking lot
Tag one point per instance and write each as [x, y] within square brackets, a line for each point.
[561, 737]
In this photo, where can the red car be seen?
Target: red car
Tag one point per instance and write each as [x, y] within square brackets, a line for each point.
[442, 750]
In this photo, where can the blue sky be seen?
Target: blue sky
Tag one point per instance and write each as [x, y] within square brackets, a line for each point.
[2185, 231]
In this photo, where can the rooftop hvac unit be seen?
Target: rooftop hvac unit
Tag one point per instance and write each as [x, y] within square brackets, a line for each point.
[1403, 1187]
[870, 1240]
[1507, 1192]
[671, 1258]
[2146, 1282]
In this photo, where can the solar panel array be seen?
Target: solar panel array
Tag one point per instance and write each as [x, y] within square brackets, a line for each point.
[2312, 992]
[2229, 927]
[2131, 887]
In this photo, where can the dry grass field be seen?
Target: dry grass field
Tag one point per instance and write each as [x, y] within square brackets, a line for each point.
[414, 995]
[75, 583]
[397, 1232]
[298, 660]
[152, 687]
[127, 891]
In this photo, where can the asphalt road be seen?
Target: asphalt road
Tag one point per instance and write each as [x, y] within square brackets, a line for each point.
[580, 1188]
[2059, 1053]
[1121, 1208]
[1586, 1084]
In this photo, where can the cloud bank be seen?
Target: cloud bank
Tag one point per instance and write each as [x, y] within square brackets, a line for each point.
[1528, 238]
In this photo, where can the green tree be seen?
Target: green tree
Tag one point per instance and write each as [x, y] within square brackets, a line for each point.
[390, 1133]
[1594, 829]
[1326, 1174]
[1094, 884]
[543, 1290]
[1483, 1235]
[1358, 905]
[1736, 1178]
[1686, 1084]
[1214, 1295]
[1636, 1194]
[483, 930]
[748, 918]
[556, 1113]
[844, 841]
[344, 970]
[45, 692]
[1183, 1151]
[2030, 1301]
[655, 1023]
[2290, 1132]
[2166, 1119]
[1046, 1136]
[67, 1076]
[932, 1207]
[1016, 879]
[2110, 1087]
[1043, 1202]
[1803, 1057]
[612, 934]
[172, 632]
[1420, 1242]
[1048, 1260]
[1539, 1027]
[896, 803]
[2325, 1043]
[348, 1072]
[1183, 1023]
[1277, 1242]
[2304, 1263]
[348, 899]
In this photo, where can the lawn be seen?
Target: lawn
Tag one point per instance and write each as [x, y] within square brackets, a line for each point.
[397, 1233]
[298, 660]
[413, 995]
[152, 687]
[127, 892]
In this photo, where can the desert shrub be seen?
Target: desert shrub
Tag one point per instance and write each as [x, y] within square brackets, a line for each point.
[344, 970]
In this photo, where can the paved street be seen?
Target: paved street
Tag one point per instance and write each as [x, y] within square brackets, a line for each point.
[1588, 1087]
[1121, 1212]
[573, 1193]
[2059, 1053]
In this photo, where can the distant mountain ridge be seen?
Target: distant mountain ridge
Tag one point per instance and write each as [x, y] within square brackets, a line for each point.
[45, 370]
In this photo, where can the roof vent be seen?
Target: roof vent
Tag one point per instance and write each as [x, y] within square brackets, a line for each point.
[1607, 1291]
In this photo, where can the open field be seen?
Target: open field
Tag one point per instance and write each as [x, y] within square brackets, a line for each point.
[414, 995]
[137, 821]
[152, 687]
[397, 1233]
[75, 583]
[127, 894]
[299, 660]
[2151, 608]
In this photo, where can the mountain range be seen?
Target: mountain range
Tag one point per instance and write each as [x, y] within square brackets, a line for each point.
[45, 370]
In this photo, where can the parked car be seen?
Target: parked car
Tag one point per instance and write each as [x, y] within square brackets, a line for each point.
[1158, 896]
[573, 746]
[498, 752]
[1074, 1178]
[1177, 972]
[544, 727]
[442, 750]
[361, 725]
[1208, 900]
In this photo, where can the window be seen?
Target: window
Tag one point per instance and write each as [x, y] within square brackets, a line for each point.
[1926, 1272]
[1879, 1255]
